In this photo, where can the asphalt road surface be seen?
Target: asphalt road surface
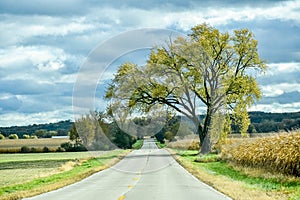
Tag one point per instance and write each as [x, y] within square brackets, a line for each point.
[146, 174]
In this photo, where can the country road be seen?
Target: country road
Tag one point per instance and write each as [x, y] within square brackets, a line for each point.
[146, 174]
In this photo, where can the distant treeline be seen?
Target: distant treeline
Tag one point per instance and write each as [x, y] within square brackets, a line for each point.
[61, 128]
[261, 122]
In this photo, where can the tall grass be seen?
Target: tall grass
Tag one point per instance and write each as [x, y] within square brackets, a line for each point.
[186, 144]
[280, 153]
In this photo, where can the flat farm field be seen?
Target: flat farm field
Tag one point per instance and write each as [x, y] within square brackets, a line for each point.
[13, 146]
[42, 142]
[19, 168]
[29, 174]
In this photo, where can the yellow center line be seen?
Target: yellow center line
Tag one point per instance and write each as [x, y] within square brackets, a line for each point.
[121, 197]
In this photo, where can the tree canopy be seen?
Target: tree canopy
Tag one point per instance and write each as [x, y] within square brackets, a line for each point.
[208, 70]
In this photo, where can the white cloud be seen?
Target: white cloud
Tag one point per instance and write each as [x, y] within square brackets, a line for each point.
[278, 89]
[275, 68]
[221, 16]
[35, 118]
[39, 63]
[37, 55]
[33, 26]
[276, 107]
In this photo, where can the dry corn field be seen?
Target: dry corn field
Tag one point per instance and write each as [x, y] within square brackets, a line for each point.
[280, 153]
[187, 144]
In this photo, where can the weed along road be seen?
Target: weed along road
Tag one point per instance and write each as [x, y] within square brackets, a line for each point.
[146, 174]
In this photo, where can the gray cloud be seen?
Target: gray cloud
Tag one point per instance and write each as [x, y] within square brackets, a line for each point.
[285, 98]
[277, 39]
[47, 7]
[283, 77]
[21, 87]
[9, 104]
[79, 7]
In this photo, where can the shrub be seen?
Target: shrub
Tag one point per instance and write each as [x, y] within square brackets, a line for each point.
[13, 136]
[10, 150]
[79, 147]
[33, 150]
[276, 153]
[33, 137]
[2, 137]
[25, 149]
[46, 150]
[25, 136]
[60, 149]
[68, 146]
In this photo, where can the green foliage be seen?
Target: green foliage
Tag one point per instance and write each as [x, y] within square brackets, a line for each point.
[46, 150]
[70, 147]
[97, 131]
[171, 129]
[160, 137]
[208, 68]
[33, 137]
[120, 138]
[169, 135]
[13, 136]
[2, 137]
[274, 122]
[42, 133]
[61, 128]
[60, 149]
[34, 150]
[160, 145]
[25, 136]
[25, 149]
[208, 158]
[138, 144]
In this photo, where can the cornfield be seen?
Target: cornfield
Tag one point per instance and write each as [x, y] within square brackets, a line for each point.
[279, 153]
[187, 144]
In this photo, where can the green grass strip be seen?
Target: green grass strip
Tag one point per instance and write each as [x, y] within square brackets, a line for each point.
[224, 169]
[138, 144]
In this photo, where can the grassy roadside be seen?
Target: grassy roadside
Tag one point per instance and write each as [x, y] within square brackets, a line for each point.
[159, 144]
[79, 171]
[138, 144]
[238, 183]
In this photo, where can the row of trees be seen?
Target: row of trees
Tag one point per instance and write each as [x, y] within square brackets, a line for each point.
[41, 130]
[99, 131]
[37, 134]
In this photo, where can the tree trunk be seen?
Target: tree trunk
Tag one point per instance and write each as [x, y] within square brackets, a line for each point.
[203, 132]
[205, 146]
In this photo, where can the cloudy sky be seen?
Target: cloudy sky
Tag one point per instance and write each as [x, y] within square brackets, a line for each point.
[44, 43]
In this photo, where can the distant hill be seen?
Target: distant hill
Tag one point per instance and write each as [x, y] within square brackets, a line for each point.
[261, 122]
[62, 128]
